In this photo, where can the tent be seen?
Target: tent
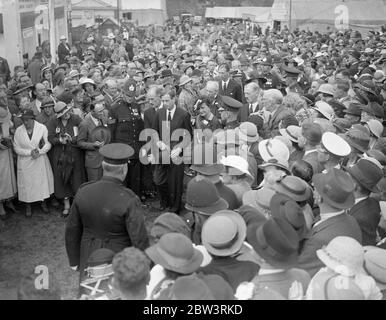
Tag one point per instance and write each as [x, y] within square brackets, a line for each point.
[315, 14]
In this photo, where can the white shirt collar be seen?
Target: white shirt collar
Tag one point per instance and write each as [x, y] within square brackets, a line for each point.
[254, 106]
[226, 82]
[263, 272]
[360, 199]
[309, 151]
[171, 112]
[326, 216]
[96, 121]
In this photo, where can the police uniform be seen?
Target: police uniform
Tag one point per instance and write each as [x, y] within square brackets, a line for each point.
[105, 214]
[271, 81]
[126, 126]
[232, 105]
[293, 73]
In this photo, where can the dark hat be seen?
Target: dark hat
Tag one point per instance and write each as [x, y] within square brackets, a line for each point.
[374, 109]
[367, 86]
[283, 207]
[27, 114]
[312, 132]
[116, 153]
[355, 54]
[291, 72]
[101, 134]
[354, 109]
[166, 73]
[202, 197]
[175, 252]
[276, 242]
[336, 188]
[129, 87]
[220, 289]
[342, 125]
[48, 102]
[190, 288]
[310, 99]
[196, 73]
[231, 104]
[366, 173]
[377, 155]
[100, 256]
[251, 215]
[65, 97]
[21, 88]
[266, 62]
[357, 139]
[169, 222]
[293, 187]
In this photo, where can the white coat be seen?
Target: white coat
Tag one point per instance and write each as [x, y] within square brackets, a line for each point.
[35, 180]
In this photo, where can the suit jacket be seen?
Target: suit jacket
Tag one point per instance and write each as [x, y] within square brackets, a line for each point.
[312, 159]
[244, 113]
[280, 113]
[181, 120]
[149, 116]
[233, 90]
[93, 159]
[63, 52]
[368, 214]
[321, 234]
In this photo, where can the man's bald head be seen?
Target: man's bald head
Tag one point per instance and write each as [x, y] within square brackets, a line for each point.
[212, 88]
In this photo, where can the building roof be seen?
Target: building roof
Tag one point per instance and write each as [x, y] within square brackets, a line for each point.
[139, 5]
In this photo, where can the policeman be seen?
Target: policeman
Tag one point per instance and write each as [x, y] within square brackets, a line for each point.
[229, 112]
[291, 76]
[126, 126]
[271, 80]
[105, 214]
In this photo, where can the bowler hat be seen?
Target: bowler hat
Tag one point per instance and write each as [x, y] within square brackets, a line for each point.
[276, 242]
[169, 222]
[366, 173]
[283, 207]
[202, 197]
[336, 188]
[175, 252]
[223, 233]
[357, 139]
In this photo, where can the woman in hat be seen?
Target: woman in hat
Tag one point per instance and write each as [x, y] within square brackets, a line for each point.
[7, 170]
[67, 157]
[34, 175]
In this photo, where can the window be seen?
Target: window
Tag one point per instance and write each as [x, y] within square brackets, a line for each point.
[127, 15]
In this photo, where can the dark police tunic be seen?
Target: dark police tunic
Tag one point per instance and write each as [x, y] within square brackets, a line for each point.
[104, 214]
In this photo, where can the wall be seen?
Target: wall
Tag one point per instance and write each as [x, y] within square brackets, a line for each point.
[79, 16]
[146, 17]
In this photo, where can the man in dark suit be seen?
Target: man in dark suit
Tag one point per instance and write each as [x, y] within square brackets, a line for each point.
[228, 86]
[93, 159]
[334, 194]
[366, 174]
[105, 214]
[251, 92]
[169, 173]
[64, 50]
[309, 140]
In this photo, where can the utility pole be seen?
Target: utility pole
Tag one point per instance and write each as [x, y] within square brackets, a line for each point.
[290, 15]
[51, 14]
[119, 12]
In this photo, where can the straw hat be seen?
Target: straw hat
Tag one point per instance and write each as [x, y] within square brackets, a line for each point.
[238, 165]
[273, 149]
[61, 109]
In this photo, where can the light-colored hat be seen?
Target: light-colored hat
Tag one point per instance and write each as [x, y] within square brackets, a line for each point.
[259, 199]
[379, 76]
[61, 109]
[292, 133]
[83, 81]
[344, 255]
[184, 80]
[326, 88]
[247, 131]
[335, 144]
[63, 38]
[324, 109]
[376, 127]
[318, 55]
[223, 233]
[375, 265]
[273, 149]
[111, 36]
[238, 165]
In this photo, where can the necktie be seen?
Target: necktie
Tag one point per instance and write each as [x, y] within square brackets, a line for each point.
[250, 109]
[169, 116]
[224, 86]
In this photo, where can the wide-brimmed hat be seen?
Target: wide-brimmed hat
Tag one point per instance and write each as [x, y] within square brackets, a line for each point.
[184, 80]
[276, 162]
[357, 139]
[292, 133]
[283, 207]
[294, 187]
[61, 109]
[375, 265]
[247, 131]
[175, 252]
[190, 288]
[223, 233]
[27, 114]
[169, 222]
[237, 165]
[354, 108]
[259, 199]
[273, 149]
[276, 242]
[324, 109]
[326, 89]
[374, 109]
[202, 197]
[366, 173]
[376, 127]
[336, 188]
[344, 255]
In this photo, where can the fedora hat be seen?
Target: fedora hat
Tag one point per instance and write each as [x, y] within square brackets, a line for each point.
[375, 265]
[175, 252]
[312, 132]
[324, 109]
[190, 288]
[276, 242]
[374, 109]
[276, 162]
[27, 114]
[344, 255]
[169, 222]
[375, 127]
[101, 134]
[259, 199]
[61, 109]
[357, 139]
[366, 173]
[354, 108]
[223, 233]
[294, 187]
[336, 188]
[202, 197]
[273, 149]
[247, 131]
[283, 207]
[292, 133]
[184, 80]
[237, 165]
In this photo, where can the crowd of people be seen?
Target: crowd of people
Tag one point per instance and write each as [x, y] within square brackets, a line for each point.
[281, 136]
